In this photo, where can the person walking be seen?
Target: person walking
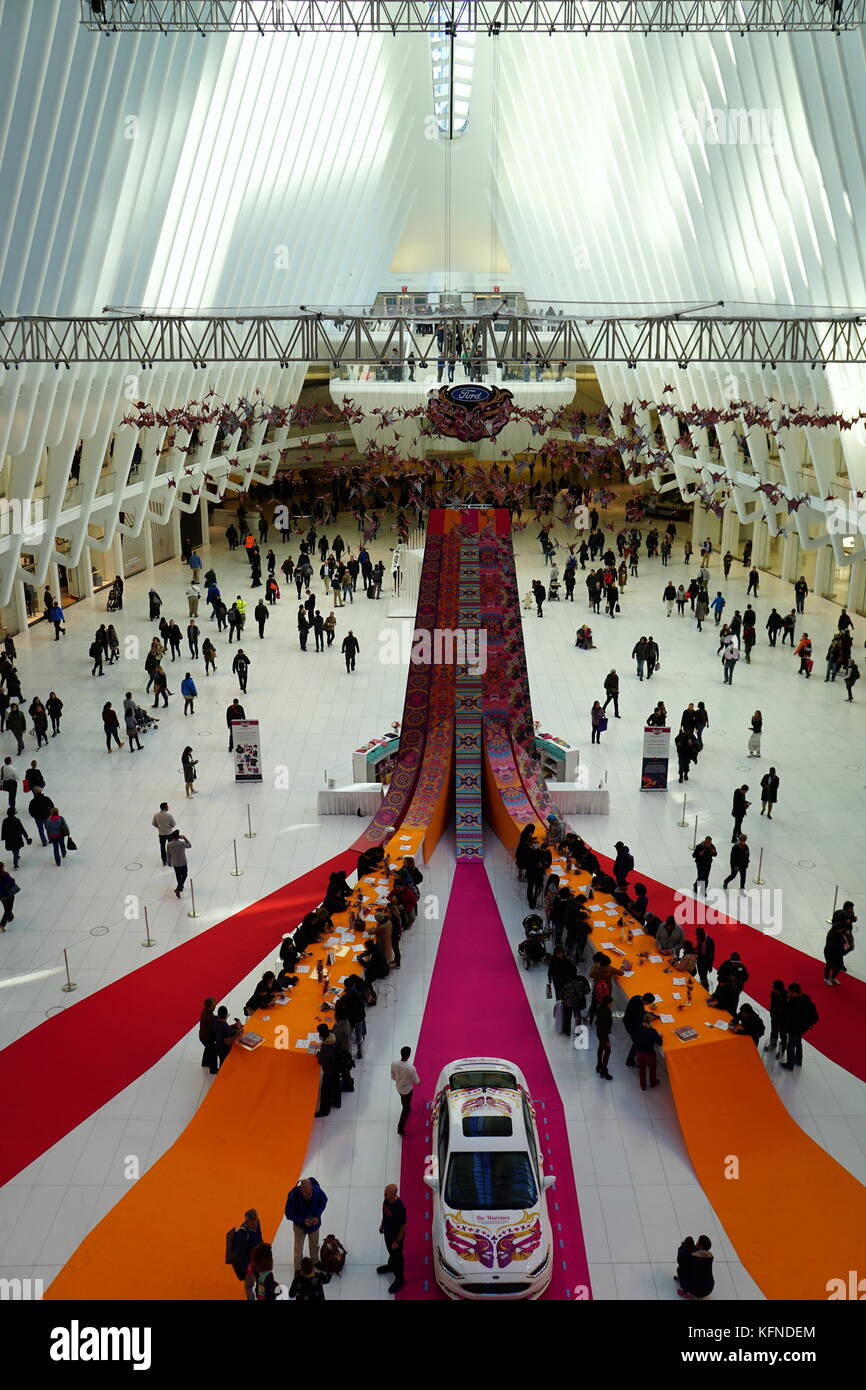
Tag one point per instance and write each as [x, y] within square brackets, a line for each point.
[193, 632]
[801, 589]
[188, 766]
[160, 687]
[350, 649]
[669, 595]
[852, 676]
[58, 835]
[769, 792]
[405, 1079]
[241, 667]
[740, 856]
[39, 715]
[175, 853]
[330, 628]
[261, 615]
[16, 723]
[193, 595]
[40, 810]
[14, 836]
[8, 889]
[800, 1015]
[304, 1206]
[702, 608]
[789, 623]
[111, 725]
[611, 687]
[652, 656]
[754, 578]
[730, 657]
[54, 706]
[164, 823]
[639, 653]
[703, 855]
[774, 625]
[189, 692]
[208, 651]
[739, 808]
[718, 607]
[392, 1228]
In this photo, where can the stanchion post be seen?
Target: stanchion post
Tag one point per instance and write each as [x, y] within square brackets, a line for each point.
[835, 900]
[684, 822]
[148, 939]
[236, 872]
[192, 912]
[760, 866]
[69, 986]
[250, 833]
[695, 840]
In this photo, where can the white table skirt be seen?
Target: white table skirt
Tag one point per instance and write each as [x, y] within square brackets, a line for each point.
[347, 801]
[575, 800]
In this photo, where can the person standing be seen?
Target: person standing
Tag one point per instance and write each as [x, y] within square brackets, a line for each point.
[852, 676]
[598, 720]
[774, 624]
[778, 1029]
[58, 833]
[645, 1056]
[633, 1020]
[837, 943]
[739, 808]
[769, 792]
[208, 651]
[193, 632]
[392, 1228]
[240, 667]
[193, 594]
[175, 853]
[304, 1206]
[730, 657]
[703, 856]
[330, 628]
[622, 864]
[164, 823]
[261, 615]
[756, 726]
[801, 589]
[350, 649]
[207, 1036]
[245, 1239]
[603, 1029]
[405, 1079]
[800, 1015]
[234, 713]
[740, 855]
[639, 653]
[705, 952]
[188, 766]
[754, 578]
[789, 623]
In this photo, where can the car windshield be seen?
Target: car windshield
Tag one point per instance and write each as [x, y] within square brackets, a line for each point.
[478, 1080]
[490, 1182]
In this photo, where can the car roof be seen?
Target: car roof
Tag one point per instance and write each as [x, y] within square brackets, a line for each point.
[497, 1103]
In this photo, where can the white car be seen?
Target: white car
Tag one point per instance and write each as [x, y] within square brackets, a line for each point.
[491, 1230]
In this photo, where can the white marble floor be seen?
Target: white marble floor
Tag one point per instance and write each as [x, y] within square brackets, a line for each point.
[635, 1185]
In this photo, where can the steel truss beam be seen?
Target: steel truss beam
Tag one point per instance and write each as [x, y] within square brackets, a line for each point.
[363, 339]
[478, 16]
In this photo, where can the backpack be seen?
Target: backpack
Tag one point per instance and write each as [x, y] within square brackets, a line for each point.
[332, 1255]
[812, 1016]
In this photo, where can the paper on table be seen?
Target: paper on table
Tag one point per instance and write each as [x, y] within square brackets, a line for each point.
[676, 994]
[343, 951]
[302, 970]
[666, 1018]
[332, 941]
[303, 1045]
[605, 945]
[658, 998]
[655, 960]
[679, 979]
[720, 1023]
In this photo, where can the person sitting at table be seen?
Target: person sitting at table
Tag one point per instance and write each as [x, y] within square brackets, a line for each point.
[725, 996]
[638, 908]
[264, 993]
[374, 962]
[369, 860]
[669, 936]
[289, 952]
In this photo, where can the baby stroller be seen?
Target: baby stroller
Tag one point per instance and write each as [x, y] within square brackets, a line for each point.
[583, 638]
[532, 950]
[553, 591]
[144, 721]
[114, 601]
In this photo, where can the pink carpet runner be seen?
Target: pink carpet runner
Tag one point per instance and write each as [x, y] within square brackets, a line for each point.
[477, 1006]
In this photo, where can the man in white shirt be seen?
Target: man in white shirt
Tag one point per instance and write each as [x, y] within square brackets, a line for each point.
[164, 823]
[176, 854]
[405, 1078]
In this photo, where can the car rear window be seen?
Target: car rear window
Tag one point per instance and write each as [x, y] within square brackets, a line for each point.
[497, 1126]
[490, 1182]
[482, 1080]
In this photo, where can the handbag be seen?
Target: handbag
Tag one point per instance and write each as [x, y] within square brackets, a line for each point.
[602, 724]
[70, 843]
[25, 785]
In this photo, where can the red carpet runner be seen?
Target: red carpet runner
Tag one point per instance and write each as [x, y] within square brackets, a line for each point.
[138, 1018]
[476, 1006]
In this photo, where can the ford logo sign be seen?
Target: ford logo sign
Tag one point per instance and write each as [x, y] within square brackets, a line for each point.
[470, 394]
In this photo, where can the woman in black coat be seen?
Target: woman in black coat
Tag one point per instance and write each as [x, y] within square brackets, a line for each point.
[769, 792]
[14, 836]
